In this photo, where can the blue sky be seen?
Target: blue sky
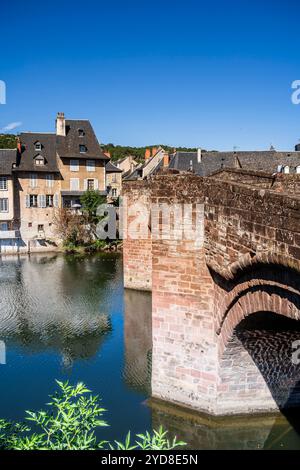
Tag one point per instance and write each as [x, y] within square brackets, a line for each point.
[214, 74]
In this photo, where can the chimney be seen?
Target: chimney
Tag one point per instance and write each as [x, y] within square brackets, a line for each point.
[166, 160]
[297, 148]
[199, 157]
[19, 146]
[61, 124]
[147, 154]
[154, 151]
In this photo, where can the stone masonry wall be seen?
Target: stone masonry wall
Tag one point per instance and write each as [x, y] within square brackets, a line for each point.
[198, 294]
[184, 349]
[137, 252]
[244, 225]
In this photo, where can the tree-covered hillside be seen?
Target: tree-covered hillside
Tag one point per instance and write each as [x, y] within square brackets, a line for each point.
[8, 141]
[119, 151]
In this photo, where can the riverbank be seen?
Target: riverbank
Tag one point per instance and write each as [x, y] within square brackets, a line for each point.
[100, 246]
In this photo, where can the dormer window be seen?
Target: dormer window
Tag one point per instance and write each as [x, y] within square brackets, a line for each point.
[81, 133]
[82, 149]
[286, 169]
[39, 160]
[38, 146]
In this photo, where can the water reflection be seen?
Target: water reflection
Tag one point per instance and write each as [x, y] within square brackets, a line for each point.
[138, 340]
[249, 432]
[40, 313]
[67, 317]
[58, 310]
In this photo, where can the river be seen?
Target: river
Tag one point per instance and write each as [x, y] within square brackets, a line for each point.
[69, 318]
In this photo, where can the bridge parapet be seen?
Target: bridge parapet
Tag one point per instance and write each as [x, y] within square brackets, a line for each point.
[245, 225]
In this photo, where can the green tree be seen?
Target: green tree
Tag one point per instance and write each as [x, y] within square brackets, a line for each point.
[90, 201]
[8, 141]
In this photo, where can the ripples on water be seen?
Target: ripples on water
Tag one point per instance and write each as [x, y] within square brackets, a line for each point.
[70, 318]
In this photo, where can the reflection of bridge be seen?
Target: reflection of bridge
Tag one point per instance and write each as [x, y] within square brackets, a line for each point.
[248, 262]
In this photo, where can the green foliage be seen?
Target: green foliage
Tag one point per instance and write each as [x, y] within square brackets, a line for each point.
[90, 201]
[120, 151]
[69, 423]
[8, 141]
[157, 441]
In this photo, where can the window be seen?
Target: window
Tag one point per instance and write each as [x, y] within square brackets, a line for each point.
[3, 183]
[90, 185]
[82, 148]
[4, 204]
[33, 200]
[33, 180]
[3, 226]
[74, 184]
[114, 178]
[49, 181]
[39, 160]
[286, 169]
[90, 165]
[40, 227]
[74, 165]
[38, 146]
[298, 169]
[114, 192]
[49, 200]
[29, 224]
[81, 133]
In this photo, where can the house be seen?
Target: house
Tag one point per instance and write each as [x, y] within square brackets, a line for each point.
[204, 163]
[53, 170]
[113, 181]
[126, 164]
[153, 162]
[8, 233]
[37, 180]
[80, 160]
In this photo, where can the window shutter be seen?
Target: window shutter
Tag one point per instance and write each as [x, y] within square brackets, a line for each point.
[27, 200]
[39, 201]
[85, 185]
[33, 180]
[43, 200]
[96, 183]
[55, 200]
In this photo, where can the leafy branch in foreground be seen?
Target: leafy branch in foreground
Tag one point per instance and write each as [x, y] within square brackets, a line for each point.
[156, 441]
[69, 423]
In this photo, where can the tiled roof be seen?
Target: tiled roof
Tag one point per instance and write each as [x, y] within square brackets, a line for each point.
[26, 161]
[7, 159]
[110, 168]
[267, 161]
[68, 147]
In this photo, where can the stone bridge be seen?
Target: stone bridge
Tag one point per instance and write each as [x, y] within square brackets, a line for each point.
[225, 308]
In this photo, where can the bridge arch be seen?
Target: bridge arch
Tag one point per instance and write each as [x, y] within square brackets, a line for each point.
[259, 307]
